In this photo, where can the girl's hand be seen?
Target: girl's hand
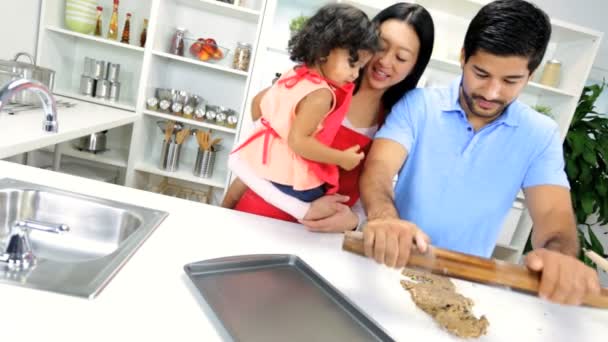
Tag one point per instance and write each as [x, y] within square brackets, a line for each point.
[351, 157]
[325, 206]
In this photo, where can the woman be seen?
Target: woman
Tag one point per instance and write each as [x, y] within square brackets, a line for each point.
[406, 35]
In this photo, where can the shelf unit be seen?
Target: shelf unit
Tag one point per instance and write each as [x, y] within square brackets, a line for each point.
[143, 69]
[575, 46]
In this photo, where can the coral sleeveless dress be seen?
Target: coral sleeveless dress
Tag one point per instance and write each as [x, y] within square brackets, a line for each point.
[267, 152]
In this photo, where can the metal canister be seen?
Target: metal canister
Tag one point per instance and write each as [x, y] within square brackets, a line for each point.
[114, 91]
[99, 69]
[152, 103]
[87, 85]
[231, 121]
[103, 89]
[113, 70]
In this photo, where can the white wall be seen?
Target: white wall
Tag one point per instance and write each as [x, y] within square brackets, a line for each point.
[19, 27]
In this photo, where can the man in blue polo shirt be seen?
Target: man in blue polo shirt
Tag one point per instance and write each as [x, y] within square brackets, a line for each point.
[463, 153]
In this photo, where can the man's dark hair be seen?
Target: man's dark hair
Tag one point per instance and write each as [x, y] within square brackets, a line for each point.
[334, 26]
[509, 28]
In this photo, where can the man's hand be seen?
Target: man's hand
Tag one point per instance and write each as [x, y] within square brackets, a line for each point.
[389, 240]
[564, 279]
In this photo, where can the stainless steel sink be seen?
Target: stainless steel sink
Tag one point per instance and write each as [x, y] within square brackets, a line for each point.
[103, 235]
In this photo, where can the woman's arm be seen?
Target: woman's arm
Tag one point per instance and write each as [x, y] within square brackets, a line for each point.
[256, 110]
[311, 110]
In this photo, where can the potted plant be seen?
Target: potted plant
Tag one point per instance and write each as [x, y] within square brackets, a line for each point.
[586, 156]
[297, 23]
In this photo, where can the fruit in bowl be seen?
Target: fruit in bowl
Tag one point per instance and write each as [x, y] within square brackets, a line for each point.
[207, 49]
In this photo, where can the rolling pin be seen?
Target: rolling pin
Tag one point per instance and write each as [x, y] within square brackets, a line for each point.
[472, 268]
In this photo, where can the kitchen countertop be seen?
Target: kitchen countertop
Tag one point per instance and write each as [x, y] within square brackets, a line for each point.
[151, 299]
[23, 132]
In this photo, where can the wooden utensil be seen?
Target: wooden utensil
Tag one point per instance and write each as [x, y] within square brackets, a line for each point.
[597, 259]
[169, 130]
[468, 267]
[182, 135]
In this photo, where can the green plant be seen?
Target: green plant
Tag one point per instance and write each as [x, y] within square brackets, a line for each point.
[586, 156]
[546, 110]
[297, 23]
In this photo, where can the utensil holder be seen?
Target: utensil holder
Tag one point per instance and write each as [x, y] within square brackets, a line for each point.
[205, 160]
[169, 156]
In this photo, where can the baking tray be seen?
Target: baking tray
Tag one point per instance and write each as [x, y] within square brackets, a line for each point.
[279, 298]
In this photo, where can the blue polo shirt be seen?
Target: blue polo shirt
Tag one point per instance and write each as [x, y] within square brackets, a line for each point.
[458, 185]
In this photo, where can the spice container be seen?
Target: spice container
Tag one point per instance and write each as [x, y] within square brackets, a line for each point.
[103, 89]
[164, 106]
[220, 118]
[176, 108]
[114, 91]
[242, 55]
[231, 121]
[551, 73]
[211, 113]
[113, 71]
[87, 85]
[152, 103]
[200, 111]
[177, 43]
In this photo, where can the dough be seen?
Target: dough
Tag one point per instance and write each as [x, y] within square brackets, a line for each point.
[437, 296]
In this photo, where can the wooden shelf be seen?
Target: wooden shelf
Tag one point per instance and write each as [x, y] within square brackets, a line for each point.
[120, 104]
[190, 122]
[201, 63]
[222, 8]
[95, 39]
[532, 87]
[185, 173]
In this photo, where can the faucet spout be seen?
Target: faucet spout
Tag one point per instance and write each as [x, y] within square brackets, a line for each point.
[48, 102]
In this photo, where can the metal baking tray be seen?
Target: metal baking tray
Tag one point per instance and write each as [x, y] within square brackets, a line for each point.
[279, 298]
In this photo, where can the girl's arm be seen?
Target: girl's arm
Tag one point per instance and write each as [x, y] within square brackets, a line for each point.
[266, 190]
[310, 112]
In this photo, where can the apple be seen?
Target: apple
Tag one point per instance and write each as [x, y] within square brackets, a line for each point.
[203, 55]
[197, 46]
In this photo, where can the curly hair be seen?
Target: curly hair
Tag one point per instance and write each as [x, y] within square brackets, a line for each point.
[334, 26]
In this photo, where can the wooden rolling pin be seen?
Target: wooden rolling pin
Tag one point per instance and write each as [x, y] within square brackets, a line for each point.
[472, 268]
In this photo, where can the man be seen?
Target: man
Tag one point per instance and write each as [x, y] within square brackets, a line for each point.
[469, 150]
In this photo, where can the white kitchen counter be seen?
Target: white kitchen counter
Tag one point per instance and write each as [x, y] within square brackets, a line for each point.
[23, 132]
[151, 299]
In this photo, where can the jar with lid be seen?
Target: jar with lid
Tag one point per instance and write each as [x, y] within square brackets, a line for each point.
[551, 73]
[177, 42]
[242, 56]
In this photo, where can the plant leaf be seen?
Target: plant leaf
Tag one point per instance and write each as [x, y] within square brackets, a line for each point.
[596, 245]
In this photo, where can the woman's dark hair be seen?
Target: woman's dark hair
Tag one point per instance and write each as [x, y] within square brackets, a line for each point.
[333, 26]
[422, 23]
[509, 28]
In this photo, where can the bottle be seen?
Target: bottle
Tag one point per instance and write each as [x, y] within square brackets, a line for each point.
[144, 34]
[126, 31]
[98, 24]
[177, 43]
[113, 29]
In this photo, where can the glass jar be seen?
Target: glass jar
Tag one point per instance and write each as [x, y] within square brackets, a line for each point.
[177, 42]
[211, 113]
[551, 73]
[242, 56]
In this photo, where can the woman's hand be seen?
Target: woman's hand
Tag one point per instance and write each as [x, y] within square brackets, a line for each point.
[325, 207]
[341, 220]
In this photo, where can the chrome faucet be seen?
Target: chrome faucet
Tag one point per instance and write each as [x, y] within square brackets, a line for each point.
[18, 254]
[48, 102]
